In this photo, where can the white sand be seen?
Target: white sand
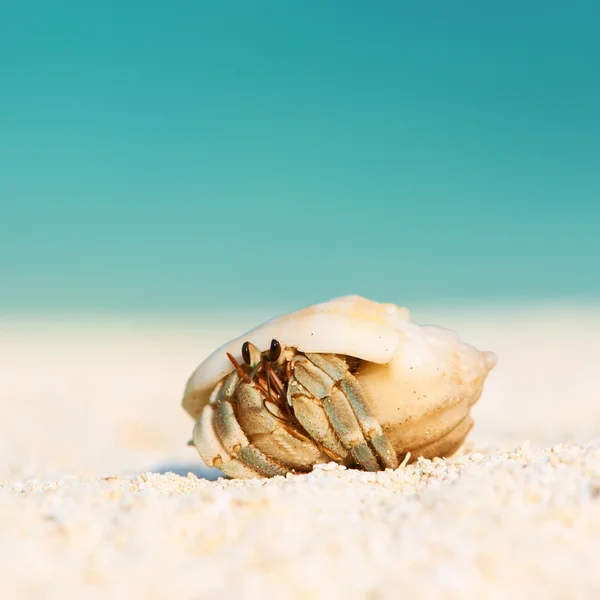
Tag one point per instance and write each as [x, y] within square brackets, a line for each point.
[91, 424]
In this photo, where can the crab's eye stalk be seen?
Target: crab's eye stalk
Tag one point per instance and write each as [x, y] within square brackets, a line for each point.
[251, 354]
[246, 352]
[275, 350]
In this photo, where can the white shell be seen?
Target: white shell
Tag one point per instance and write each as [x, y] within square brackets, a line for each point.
[429, 360]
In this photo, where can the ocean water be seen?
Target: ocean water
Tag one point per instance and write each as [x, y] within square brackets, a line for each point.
[181, 156]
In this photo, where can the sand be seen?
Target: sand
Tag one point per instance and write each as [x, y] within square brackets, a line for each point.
[101, 498]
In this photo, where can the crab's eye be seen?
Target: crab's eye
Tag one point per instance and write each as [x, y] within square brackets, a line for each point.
[246, 352]
[275, 350]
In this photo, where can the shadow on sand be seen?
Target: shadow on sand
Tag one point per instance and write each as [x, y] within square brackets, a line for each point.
[184, 468]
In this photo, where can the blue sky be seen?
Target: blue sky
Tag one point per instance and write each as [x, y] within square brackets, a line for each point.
[176, 156]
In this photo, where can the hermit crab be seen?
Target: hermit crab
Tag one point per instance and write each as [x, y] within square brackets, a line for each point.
[350, 380]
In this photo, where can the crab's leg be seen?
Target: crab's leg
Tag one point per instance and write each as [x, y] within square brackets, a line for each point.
[346, 408]
[324, 411]
[213, 452]
[237, 444]
[270, 433]
[220, 441]
[312, 416]
[359, 402]
[207, 442]
[352, 391]
[247, 436]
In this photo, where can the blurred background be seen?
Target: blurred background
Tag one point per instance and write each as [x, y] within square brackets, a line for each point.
[183, 156]
[172, 173]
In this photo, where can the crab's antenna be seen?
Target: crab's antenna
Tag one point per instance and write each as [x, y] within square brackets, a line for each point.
[267, 369]
[276, 383]
[238, 368]
[255, 372]
[244, 377]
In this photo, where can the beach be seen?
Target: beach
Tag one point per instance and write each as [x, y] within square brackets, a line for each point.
[101, 497]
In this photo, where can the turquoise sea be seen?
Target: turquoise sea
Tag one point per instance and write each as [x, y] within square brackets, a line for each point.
[176, 156]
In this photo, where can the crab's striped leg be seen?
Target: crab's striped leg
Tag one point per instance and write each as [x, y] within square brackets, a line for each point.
[221, 442]
[330, 404]
[245, 435]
